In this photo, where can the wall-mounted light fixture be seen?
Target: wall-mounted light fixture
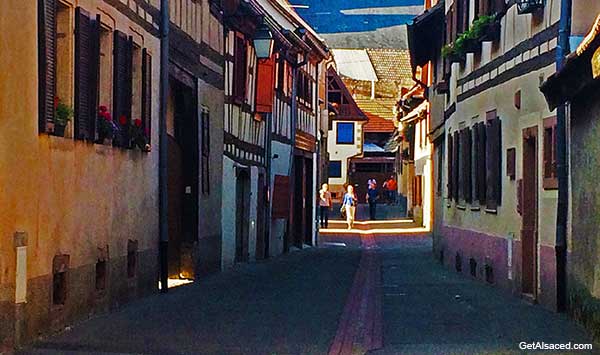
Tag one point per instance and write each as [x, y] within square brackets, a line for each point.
[529, 6]
[263, 41]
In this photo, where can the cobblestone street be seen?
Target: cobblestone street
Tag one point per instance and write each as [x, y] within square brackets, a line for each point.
[310, 301]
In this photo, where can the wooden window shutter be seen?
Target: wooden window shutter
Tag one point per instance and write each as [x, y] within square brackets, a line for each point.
[239, 69]
[475, 162]
[205, 136]
[454, 30]
[498, 164]
[147, 94]
[481, 163]
[122, 86]
[281, 200]
[467, 165]
[461, 167]
[266, 84]
[549, 154]
[87, 66]
[46, 63]
[450, 162]
[494, 152]
[456, 165]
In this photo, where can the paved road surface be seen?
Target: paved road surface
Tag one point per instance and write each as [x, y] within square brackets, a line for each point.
[382, 296]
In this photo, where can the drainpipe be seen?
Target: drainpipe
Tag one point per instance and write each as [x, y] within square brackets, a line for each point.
[163, 208]
[562, 167]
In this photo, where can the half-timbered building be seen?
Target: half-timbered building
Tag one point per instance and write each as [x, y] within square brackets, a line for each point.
[497, 182]
[270, 128]
[194, 133]
[346, 136]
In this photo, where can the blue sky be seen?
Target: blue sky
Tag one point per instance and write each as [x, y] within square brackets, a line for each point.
[325, 15]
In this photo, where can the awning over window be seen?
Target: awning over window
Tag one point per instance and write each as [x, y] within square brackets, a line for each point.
[425, 35]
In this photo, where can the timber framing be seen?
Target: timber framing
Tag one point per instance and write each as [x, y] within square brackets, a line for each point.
[492, 69]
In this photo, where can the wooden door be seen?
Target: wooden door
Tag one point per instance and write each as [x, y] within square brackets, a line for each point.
[175, 189]
[261, 238]
[299, 217]
[308, 201]
[529, 229]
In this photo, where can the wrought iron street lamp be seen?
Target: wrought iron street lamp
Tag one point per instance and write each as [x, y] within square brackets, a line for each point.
[263, 42]
[529, 6]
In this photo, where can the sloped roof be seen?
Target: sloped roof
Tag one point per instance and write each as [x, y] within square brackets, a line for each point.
[581, 69]
[354, 64]
[391, 64]
[349, 110]
[380, 114]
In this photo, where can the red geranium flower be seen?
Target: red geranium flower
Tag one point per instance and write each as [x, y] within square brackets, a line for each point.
[103, 109]
[56, 102]
[105, 115]
[123, 120]
[137, 122]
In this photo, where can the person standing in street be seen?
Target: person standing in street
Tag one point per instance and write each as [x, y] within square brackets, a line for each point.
[372, 196]
[391, 186]
[349, 204]
[324, 205]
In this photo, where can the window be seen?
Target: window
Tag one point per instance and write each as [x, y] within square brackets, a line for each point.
[60, 267]
[305, 88]
[240, 69]
[59, 288]
[335, 169]
[345, 133]
[106, 44]
[511, 163]
[55, 62]
[205, 136]
[100, 275]
[550, 177]
[417, 197]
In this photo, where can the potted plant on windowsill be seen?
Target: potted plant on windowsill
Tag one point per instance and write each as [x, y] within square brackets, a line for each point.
[484, 28]
[62, 115]
[106, 126]
[139, 137]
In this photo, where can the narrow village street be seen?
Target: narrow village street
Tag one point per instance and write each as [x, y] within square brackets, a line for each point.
[299, 177]
[313, 301]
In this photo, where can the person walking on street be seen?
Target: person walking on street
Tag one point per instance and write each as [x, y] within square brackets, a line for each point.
[391, 186]
[349, 204]
[324, 205]
[372, 196]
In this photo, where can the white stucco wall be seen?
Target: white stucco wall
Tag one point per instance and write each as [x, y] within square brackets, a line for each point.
[343, 152]
[228, 214]
[279, 166]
